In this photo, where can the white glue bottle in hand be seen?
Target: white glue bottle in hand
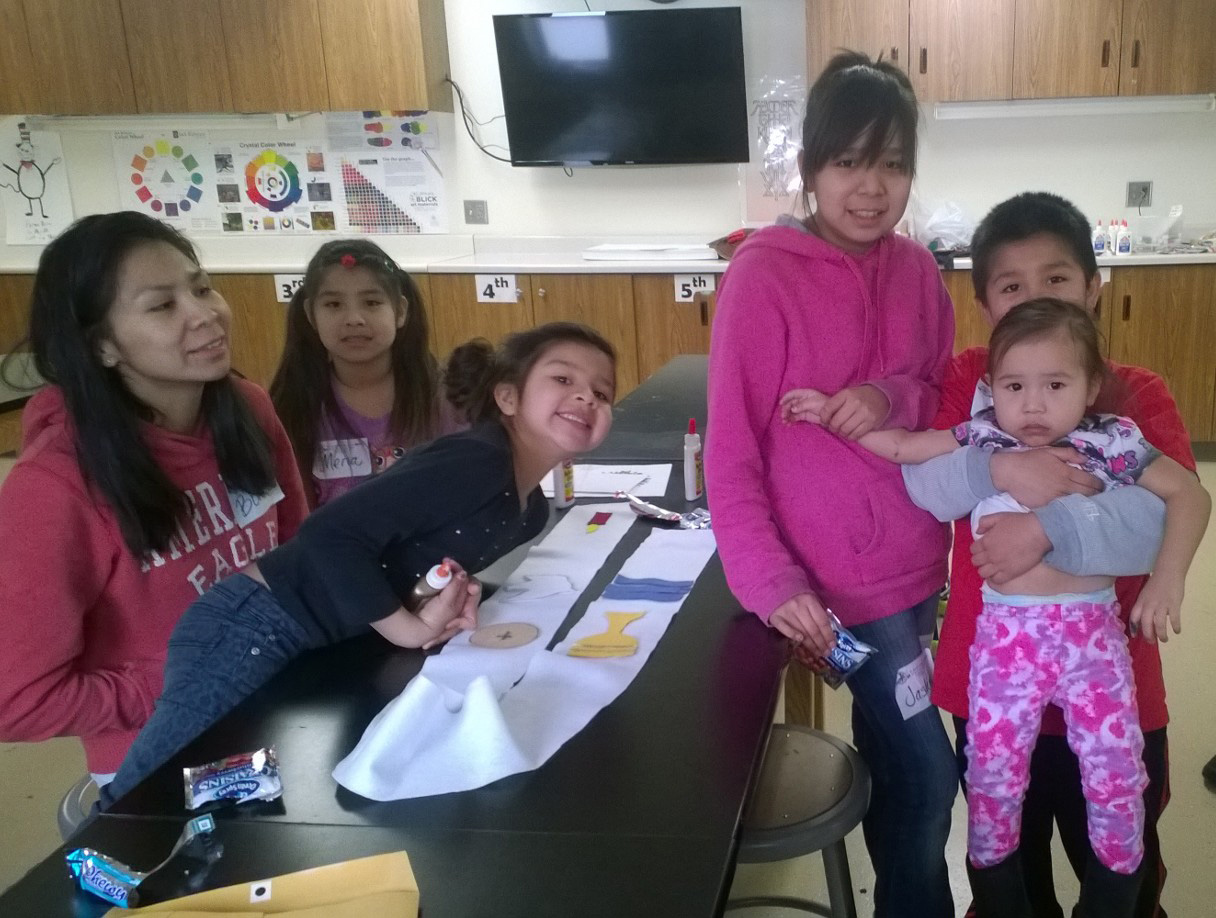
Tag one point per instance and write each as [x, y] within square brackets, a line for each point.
[429, 585]
[563, 483]
[694, 471]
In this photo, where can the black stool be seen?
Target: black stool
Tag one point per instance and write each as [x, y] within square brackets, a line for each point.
[813, 790]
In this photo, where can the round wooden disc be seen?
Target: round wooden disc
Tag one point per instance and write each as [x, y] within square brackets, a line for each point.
[505, 635]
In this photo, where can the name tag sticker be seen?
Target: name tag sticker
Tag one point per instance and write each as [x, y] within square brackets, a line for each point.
[913, 684]
[343, 459]
[249, 507]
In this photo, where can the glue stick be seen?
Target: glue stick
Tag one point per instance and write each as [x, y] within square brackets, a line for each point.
[563, 483]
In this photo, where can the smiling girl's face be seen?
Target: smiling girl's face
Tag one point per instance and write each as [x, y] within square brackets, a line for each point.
[857, 203]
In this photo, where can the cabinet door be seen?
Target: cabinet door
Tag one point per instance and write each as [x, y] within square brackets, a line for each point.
[1169, 47]
[15, 291]
[81, 52]
[874, 27]
[275, 59]
[1164, 318]
[970, 327]
[385, 54]
[1066, 49]
[18, 87]
[603, 301]
[259, 324]
[178, 62]
[458, 316]
[961, 49]
[665, 328]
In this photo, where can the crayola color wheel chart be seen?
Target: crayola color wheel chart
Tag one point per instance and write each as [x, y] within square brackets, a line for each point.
[272, 181]
[168, 175]
[274, 187]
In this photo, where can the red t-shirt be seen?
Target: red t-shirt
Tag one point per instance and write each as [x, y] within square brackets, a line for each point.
[1136, 393]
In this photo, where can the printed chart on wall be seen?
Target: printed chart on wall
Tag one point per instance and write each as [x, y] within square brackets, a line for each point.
[391, 171]
[168, 174]
[274, 187]
[33, 185]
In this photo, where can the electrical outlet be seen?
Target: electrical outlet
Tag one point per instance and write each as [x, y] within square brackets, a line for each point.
[478, 212]
[1139, 194]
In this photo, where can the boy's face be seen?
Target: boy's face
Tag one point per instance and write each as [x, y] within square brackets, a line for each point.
[1037, 266]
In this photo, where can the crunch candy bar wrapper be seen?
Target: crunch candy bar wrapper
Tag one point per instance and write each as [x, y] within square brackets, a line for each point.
[696, 518]
[846, 657]
[244, 777]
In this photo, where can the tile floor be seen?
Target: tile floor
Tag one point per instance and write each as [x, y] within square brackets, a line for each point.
[33, 776]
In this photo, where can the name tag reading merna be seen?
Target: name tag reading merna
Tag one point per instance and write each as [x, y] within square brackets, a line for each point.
[248, 507]
[343, 459]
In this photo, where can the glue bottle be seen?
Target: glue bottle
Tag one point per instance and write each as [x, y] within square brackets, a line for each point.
[435, 580]
[1099, 239]
[1123, 245]
[694, 471]
[563, 483]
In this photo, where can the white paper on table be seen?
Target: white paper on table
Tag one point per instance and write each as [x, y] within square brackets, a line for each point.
[434, 739]
[605, 480]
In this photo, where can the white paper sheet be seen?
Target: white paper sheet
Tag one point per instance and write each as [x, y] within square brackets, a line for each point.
[605, 480]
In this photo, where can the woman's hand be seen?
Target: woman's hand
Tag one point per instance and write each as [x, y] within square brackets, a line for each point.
[804, 620]
[1036, 477]
[854, 412]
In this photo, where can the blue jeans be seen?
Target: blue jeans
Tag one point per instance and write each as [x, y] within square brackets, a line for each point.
[229, 643]
[913, 771]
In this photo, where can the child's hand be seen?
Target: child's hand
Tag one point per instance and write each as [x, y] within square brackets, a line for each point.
[804, 620]
[854, 412]
[802, 405]
[1160, 601]
[453, 609]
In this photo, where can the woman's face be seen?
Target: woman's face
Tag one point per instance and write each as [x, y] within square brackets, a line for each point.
[167, 328]
[857, 204]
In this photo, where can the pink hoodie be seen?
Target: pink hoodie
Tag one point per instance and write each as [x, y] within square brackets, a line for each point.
[796, 508]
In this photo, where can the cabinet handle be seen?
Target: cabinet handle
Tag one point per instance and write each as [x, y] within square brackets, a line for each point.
[703, 303]
[895, 55]
[1127, 306]
[540, 292]
[924, 60]
[1106, 53]
[1136, 53]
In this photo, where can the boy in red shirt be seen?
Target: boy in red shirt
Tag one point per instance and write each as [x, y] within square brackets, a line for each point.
[1038, 244]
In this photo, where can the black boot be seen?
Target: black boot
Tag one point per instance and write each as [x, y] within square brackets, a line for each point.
[1106, 894]
[999, 891]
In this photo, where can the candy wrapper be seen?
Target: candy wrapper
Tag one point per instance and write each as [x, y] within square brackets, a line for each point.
[694, 519]
[244, 777]
[846, 657]
[116, 882]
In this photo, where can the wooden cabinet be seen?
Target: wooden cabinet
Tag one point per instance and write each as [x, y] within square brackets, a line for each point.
[603, 301]
[457, 316]
[15, 292]
[177, 53]
[1066, 49]
[80, 57]
[18, 86]
[971, 329]
[961, 49]
[385, 54]
[1164, 318]
[1168, 47]
[665, 328]
[275, 59]
[259, 324]
[873, 27]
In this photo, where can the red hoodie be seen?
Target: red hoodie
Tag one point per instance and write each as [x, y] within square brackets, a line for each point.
[86, 623]
[1141, 395]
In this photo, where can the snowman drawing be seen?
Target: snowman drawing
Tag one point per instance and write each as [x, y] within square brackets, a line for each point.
[31, 177]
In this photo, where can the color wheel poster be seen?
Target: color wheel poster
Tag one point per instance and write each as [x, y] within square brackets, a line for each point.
[274, 187]
[170, 175]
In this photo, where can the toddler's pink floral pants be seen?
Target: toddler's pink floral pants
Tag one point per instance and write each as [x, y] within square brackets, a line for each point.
[1073, 654]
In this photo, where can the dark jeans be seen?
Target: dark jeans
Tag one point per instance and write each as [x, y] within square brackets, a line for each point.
[1054, 799]
[912, 770]
[225, 646]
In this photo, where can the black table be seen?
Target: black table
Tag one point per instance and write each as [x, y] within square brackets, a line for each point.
[649, 424]
[637, 815]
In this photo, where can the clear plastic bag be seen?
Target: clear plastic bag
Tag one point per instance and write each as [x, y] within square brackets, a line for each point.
[944, 227]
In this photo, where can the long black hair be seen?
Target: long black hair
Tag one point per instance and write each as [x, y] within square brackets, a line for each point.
[301, 387]
[475, 367]
[74, 291]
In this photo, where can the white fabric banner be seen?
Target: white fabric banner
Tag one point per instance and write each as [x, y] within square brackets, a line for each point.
[476, 714]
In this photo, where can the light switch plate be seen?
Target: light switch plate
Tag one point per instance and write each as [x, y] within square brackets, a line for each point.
[476, 212]
[1139, 194]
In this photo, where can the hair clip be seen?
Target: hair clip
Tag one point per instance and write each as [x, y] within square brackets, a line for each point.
[348, 260]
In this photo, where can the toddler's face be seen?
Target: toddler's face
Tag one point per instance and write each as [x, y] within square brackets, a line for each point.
[1040, 391]
[1038, 266]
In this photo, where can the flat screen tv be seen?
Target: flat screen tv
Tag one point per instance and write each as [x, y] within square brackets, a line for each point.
[631, 87]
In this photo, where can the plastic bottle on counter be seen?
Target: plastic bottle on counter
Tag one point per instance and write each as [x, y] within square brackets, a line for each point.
[694, 469]
[432, 583]
[1099, 239]
[1123, 244]
[563, 483]
[1112, 234]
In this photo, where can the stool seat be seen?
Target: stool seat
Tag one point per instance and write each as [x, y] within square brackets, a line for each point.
[75, 805]
[813, 790]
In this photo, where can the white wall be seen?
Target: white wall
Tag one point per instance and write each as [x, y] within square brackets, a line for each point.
[974, 163]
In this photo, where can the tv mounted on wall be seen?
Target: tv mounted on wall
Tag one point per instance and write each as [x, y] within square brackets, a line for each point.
[631, 87]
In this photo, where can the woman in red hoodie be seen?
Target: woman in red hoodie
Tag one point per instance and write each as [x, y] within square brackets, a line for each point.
[147, 472]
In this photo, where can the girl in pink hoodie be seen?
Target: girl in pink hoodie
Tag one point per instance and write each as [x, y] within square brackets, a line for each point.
[807, 521]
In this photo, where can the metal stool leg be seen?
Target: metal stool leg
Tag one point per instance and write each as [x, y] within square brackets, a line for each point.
[840, 883]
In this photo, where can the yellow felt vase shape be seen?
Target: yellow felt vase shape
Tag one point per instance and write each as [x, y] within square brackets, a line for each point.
[611, 643]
